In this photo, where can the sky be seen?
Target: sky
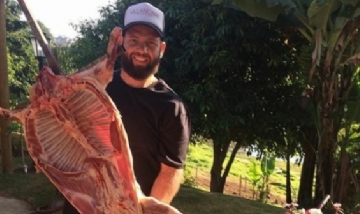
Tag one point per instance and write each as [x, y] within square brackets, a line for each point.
[58, 14]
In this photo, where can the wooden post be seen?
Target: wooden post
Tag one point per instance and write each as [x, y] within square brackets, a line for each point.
[240, 185]
[41, 38]
[6, 152]
[245, 184]
[196, 172]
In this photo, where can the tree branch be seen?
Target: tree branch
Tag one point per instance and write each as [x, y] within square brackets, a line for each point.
[231, 160]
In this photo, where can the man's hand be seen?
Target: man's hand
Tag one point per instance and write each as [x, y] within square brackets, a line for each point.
[167, 183]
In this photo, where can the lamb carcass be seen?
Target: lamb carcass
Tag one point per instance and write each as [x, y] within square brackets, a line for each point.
[75, 136]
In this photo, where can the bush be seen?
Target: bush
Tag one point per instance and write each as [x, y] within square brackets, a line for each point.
[188, 179]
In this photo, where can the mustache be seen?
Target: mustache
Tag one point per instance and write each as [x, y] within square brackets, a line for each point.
[144, 55]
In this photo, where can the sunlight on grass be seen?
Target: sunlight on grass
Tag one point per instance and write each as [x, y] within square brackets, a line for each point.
[200, 158]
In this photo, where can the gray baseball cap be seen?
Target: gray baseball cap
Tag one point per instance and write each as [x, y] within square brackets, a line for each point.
[146, 14]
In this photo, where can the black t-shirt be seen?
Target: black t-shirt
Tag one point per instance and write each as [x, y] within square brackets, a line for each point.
[157, 124]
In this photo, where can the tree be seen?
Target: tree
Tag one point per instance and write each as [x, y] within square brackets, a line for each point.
[237, 88]
[331, 26]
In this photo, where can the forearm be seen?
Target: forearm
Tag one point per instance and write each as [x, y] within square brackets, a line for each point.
[167, 184]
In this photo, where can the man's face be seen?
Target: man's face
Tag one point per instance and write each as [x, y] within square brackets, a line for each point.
[144, 50]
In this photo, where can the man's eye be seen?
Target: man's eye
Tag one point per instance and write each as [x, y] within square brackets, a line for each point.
[152, 44]
[132, 40]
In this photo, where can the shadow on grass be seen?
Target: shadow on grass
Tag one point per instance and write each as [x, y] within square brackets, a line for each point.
[280, 185]
[37, 189]
[195, 201]
[33, 188]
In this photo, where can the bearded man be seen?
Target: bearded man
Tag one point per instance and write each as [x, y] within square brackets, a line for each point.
[155, 118]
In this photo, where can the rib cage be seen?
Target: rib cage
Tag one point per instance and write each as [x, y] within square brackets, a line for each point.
[55, 142]
[93, 122]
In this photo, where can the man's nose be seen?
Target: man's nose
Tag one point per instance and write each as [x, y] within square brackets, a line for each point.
[143, 47]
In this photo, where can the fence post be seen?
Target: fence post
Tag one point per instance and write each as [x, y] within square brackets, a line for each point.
[245, 183]
[240, 184]
[196, 172]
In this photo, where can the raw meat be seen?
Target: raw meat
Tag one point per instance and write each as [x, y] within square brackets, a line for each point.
[75, 136]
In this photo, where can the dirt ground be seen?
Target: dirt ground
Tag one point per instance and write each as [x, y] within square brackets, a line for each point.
[232, 187]
[14, 206]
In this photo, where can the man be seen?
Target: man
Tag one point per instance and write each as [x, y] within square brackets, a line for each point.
[155, 118]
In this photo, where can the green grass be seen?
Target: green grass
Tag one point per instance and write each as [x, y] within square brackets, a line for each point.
[37, 189]
[195, 201]
[33, 188]
[200, 157]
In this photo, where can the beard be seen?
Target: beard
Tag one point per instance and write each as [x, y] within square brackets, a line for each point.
[139, 72]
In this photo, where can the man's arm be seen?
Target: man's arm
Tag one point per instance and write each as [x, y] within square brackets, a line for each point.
[167, 183]
[175, 128]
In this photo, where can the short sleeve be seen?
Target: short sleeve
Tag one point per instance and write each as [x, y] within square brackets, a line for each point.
[175, 129]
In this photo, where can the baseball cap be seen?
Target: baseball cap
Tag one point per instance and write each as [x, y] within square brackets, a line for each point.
[145, 13]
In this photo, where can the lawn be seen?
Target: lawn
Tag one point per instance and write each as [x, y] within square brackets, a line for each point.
[199, 163]
[36, 189]
[191, 201]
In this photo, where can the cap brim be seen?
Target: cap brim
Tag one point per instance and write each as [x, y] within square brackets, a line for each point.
[161, 34]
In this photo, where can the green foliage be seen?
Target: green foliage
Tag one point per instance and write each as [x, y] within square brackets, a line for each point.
[267, 165]
[65, 59]
[267, 168]
[332, 26]
[189, 179]
[257, 8]
[22, 65]
[254, 175]
[227, 77]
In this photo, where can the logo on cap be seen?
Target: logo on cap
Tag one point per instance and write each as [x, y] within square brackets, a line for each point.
[147, 14]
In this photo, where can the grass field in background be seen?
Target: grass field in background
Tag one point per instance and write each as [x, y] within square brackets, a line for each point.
[200, 157]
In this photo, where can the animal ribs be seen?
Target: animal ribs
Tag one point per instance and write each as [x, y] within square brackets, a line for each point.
[75, 136]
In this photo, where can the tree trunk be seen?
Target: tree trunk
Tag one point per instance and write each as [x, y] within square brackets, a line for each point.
[216, 182]
[341, 175]
[217, 177]
[318, 190]
[328, 97]
[288, 180]
[305, 198]
[326, 158]
[6, 151]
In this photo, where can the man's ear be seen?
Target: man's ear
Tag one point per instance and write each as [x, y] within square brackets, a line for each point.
[162, 49]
